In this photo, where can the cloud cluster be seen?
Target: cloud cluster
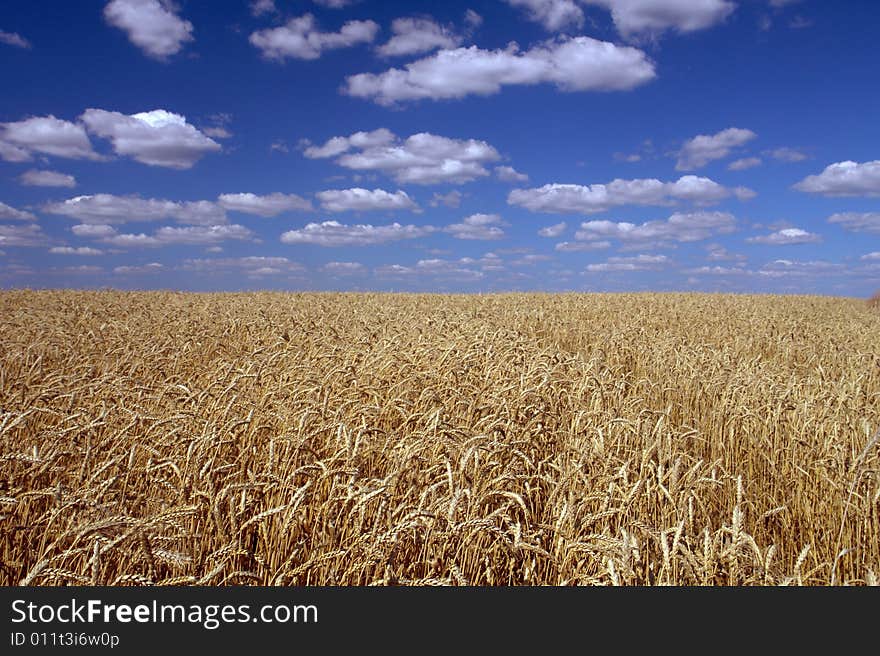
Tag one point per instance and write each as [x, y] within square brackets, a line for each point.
[35, 178]
[717, 253]
[300, 38]
[744, 163]
[168, 235]
[786, 236]
[364, 200]
[554, 15]
[786, 154]
[333, 233]
[554, 230]
[464, 269]
[653, 17]
[478, 226]
[775, 269]
[151, 25]
[152, 267]
[47, 135]
[844, 179]
[637, 263]
[7, 212]
[343, 268]
[450, 199]
[421, 158]
[29, 234]
[510, 174]
[253, 266]
[582, 246]
[265, 206]
[157, 137]
[70, 250]
[14, 39]
[680, 227]
[705, 148]
[580, 199]
[571, 64]
[857, 221]
[414, 36]
[111, 209]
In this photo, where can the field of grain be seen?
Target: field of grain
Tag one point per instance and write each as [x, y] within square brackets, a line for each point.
[377, 439]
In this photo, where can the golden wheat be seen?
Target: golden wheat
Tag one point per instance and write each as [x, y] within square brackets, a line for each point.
[375, 439]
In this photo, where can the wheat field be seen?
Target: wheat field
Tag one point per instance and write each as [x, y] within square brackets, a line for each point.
[381, 439]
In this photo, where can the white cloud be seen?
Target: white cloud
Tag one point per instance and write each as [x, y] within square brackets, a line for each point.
[363, 200]
[151, 25]
[785, 237]
[266, 206]
[152, 267]
[472, 19]
[70, 250]
[260, 7]
[343, 268]
[510, 174]
[421, 158]
[680, 227]
[131, 240]
[14, 39]
[203, 234]
[464, 269]
[84, 269]
[301, 39]
[653, 17]
[93, 230]
[531, 260]
[719, 271]
[579, 199]
[744, 193]
[704, 148]
[35, 178]
[253, 266]
[581, 246]
[786, 154]
[47, 135]
[789, 268]
[413, 36]
[451, 199]
[744, 163]
[857, 221]
[844, 179]
[637, 263]
[571, 64]
[157, 137]
[717, 253]
[111, 209]
[8, 212]
[553, 230]
[333, 233]
[12, 153]
[552, 14]
[870, 257]
[29, 234]
[190, 235]
[478, 226]
[336, 4]
[359, 140]
[217, 132]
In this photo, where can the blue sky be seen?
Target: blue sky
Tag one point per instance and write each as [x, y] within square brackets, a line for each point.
[491, 145]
